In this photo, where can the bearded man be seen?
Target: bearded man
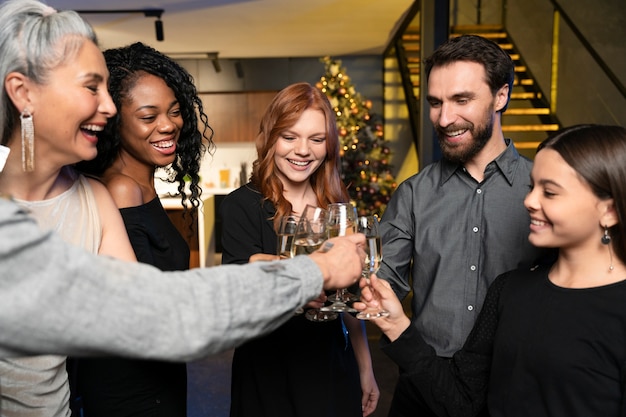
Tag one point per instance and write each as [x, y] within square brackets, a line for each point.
[451, 229]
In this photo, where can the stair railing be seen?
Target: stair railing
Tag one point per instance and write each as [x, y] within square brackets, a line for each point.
[559, 14]
[407, 86]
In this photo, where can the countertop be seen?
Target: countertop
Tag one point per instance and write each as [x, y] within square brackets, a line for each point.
[172, 201]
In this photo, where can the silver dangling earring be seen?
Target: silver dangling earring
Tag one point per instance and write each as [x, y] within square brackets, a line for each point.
[28, 141]
[606, 239]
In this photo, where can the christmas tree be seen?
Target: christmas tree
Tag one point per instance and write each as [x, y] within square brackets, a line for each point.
[364, 152]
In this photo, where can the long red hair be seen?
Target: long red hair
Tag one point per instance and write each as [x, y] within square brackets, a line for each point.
[282, 113]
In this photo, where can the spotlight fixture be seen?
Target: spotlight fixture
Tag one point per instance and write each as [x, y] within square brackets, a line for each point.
[216, 63]
[212, 56]
[158, 24]
[239, 69]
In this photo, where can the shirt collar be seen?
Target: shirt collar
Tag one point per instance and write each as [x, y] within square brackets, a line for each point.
[506, 162]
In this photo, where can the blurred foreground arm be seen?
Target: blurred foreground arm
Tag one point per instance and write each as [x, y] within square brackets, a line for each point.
[60, 299]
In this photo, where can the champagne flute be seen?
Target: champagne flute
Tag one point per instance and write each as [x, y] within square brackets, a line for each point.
[368, 225]
[311, 231]
[310, 235]
[286, 234]
[341, 222]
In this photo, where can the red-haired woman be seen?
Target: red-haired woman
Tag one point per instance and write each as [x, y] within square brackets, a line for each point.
[303, 368]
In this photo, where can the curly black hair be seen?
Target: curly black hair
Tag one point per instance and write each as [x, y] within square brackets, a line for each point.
[126, 65]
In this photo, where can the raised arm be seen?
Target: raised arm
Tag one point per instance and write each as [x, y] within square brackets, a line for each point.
[57, 298]
[456, 387]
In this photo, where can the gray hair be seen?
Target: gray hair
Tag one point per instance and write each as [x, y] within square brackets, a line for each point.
[34, 39]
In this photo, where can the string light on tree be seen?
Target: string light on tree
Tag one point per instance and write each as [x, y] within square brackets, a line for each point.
[364, 152]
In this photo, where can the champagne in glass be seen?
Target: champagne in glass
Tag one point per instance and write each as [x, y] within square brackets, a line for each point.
[286, 235]
[306, 245]
[368, 225]
[341, 222]
[310, 235]
[374, 255]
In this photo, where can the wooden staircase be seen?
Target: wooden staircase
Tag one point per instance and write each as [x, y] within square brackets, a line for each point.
[528, 119]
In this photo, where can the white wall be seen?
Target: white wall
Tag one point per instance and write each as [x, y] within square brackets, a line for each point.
[228, 156]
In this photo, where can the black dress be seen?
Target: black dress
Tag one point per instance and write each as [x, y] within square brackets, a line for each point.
[127, 387]
[536, 350]
[302, 368]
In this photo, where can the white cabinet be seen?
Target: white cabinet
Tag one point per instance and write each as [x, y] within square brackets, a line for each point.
[201, 234]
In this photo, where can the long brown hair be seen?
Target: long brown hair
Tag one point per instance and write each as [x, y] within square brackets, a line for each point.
[282, 113]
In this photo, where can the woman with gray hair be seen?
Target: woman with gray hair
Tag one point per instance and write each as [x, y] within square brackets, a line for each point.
[53, 105]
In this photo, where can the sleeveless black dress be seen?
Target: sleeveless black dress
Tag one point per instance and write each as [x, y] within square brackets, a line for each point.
[127, 387]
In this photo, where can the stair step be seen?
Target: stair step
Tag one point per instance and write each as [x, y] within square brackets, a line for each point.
[528, 111]
[489, 35]
[477, 28]
[530, 128]
[527, 145]
[529, 95]
[525, 81]
[411, 37]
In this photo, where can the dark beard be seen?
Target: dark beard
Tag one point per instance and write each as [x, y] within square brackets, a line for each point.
[459, 154]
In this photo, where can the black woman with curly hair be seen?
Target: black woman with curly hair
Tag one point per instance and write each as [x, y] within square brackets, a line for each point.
[156, 126]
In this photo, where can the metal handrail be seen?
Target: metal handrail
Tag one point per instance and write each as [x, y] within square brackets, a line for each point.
[401, 29]
[590, 49]
[411, 101]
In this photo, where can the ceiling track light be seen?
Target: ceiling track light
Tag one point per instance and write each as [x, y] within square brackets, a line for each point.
[158, 24]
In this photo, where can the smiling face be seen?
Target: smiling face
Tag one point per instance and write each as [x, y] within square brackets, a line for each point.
[463, 108]
[150, 122]
[563, 209]
[301, 149]
[71, 107]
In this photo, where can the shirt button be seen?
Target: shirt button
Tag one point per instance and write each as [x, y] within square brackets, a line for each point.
[479, 191]
[473, 267]
[470, 307]
[475, 229]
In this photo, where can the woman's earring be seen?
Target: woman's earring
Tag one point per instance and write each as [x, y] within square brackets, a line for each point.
[606, 238]
[28, 141]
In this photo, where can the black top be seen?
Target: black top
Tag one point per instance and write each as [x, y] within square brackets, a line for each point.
[127, 387]
[536, 350]
[301, 369]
